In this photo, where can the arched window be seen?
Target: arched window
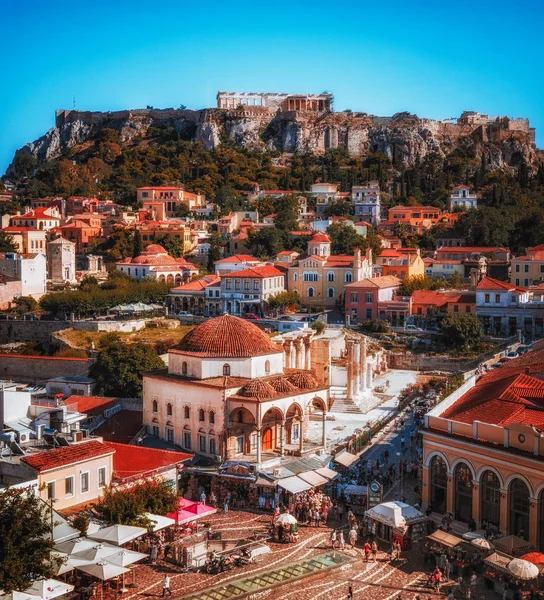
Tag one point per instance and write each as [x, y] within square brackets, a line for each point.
[201, 415]
[226, 369]
[169, 409]
[240, 416]
[463, 493]
[331, 292]
[491, 499]
[186, 412]
[184, 368]
[439, 484]
[518, 523]
[348, 277]
[330, 276]
[267, 367]
[211, 417]
[295, 276]
[213, 447]
[155, 406]
[311, 292]
[202, 440]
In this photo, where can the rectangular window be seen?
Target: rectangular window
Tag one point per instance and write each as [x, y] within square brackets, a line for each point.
[102, 477]
[51, 490]
[69, 485]
[240, 444]
[246, 284]
[202, 443]
[517, 281]
[369, 313]
[526, 283]
[487, 298]
[170, 435]
[369, 297]
[497, 298]
[228, 284]
[237, 284]
[517, 268]
[187, 440]
[525, 268]
[354, 297]
[156, 431]
[255, 285]
[467, 308]
[456, 308]
[542, 268]
[84, 482]
[212, 446]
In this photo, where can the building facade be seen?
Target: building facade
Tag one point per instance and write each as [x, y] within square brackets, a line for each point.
[366, 202]
[462, 197]
[154, 262]
[61, 260]
[528, 270]
[374, 298]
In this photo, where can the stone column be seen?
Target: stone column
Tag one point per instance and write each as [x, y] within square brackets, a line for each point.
[282, 438]
[363, 365]
[287, 353]
[301, 436]
[476, 490]
[293, 355]
[324, 433]
[258, 445]
[449, 494]
[356, 368]
[308, 356]
[503, 526]
[298, 353]
[369, 375]
[349, 367]
[533, 519]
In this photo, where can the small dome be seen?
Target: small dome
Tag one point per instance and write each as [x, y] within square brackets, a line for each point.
[257, 389]
[227, 337]
[320, 237]
[303, 381]
[154, 249]
[283, 386]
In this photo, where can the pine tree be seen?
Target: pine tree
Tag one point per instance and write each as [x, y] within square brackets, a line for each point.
[137, 244]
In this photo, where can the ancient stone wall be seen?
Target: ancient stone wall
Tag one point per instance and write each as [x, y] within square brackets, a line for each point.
[30, 369]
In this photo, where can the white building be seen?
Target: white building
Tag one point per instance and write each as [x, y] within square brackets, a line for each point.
[61, 260]
[366, 202]
[227, 395]
[248, 291]
[155, 263]
[236, 262]
[324, 193]
[462, 197]
[29, 269]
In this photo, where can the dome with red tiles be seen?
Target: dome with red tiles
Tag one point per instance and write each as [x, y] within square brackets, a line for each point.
[257, 389]
[227, 337]
[303, 381]
[320, 237]
[154, 254]
[283, 386]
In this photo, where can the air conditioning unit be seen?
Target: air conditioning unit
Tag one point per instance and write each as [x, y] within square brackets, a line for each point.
[23, 437]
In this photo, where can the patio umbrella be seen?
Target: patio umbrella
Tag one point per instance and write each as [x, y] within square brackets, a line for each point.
[103, 570]
[118, 534]
[126, 557]
[523, 569]
[74, 546]
[389, 513]
[99, 552]
[537, 558]
[472, 535]
[286, 519]
[482, 543]
[49, 588]
[159, 522]
[18, 596]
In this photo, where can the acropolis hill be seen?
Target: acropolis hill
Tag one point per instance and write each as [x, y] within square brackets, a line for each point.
[291, 123]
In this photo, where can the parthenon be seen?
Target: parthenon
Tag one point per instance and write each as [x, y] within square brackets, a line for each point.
[273, 100]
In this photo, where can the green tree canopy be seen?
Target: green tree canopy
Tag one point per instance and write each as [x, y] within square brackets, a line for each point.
[25, 305]
[118, 368]
[267, 242]
[462, 331]
[25, 534]
[7, 244]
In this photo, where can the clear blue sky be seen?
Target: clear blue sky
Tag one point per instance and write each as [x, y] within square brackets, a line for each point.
[433, 58]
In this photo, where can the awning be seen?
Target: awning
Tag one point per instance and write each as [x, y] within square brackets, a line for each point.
[345, 458]
[326, 472]
[498, 560]
[446, 539]
[159, 522]
[294, 484]
[263, 482]
[355, 490]
[313, 478]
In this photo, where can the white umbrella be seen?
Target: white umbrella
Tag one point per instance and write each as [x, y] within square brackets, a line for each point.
[103, 570]
[482, 543]
[18, 596]
[118, 534]
[523, 569]
[99, 552]
[75, 546]
[389, 513]
[472, 535]
[49, 588]
[59, 562]
[126, 557]
[286, 519]
[159, 522]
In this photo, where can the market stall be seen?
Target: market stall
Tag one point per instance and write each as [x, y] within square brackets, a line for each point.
[344, 460]
[513, 545]
[512, 578]
[356, 498]
[397, 521]
[461, 555]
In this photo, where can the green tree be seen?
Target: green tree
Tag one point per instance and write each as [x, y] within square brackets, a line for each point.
[268, 242]
[7, 244]
[415, 282]
[228, 199]
[172, 245]
[374, 326]
[462, 331]
[25, 305]
[217, 244]
[286, 209]
[137, 244]
[118, 368]
[344, 238]
[25, 531]
[338, 208]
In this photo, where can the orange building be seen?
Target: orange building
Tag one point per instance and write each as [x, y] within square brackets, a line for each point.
[483, 450]
[417, 218]
[435, 303]
[79, 232]
[402, 262]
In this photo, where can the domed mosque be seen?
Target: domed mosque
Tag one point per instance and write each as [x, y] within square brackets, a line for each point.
[227, 395]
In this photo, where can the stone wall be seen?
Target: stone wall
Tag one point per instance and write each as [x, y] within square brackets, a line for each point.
[30, 331]
[416, 362]
[30, 369]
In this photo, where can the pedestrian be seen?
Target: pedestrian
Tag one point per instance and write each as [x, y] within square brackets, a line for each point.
[374, 550]
[402, 442]
[340, 512]
[333, 538]
[213, 500]
[352, 537]
[368, 550]
[166, 585]
[447, 569]
[203, 497]
[342, 541]
[473, 584]
[226, 506]
[350, 592]
[393, 552]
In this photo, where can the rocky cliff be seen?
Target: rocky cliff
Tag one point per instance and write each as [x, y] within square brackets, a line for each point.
[404, 138]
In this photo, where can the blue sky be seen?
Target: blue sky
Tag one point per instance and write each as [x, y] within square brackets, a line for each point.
[434, 59]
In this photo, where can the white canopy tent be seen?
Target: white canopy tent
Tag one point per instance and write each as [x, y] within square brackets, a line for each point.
[345, 458]
[76, 546]
[124, 558]
[95, 554]
[327, 473]
[294, 484]
[159, 522]
[395, 514]
[118, 534]
[103, 570]
[49, 588]
[313, 478]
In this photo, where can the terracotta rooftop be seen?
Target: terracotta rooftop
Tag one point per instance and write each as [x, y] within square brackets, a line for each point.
[133, 461]
[378, 282]
[320, 237]
[67, 455]
[257, 389]
[198, 285]
[488, 283]
[237, 258]
[256, 272]
[227, 337]
[91, 405]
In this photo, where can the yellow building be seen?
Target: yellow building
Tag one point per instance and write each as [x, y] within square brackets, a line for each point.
[402, 262]
[529, 269]
[319, 278]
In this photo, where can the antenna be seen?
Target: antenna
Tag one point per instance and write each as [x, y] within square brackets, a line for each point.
[74, 101]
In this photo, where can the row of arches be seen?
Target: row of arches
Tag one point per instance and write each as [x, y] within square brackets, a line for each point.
[177, 279]
[186, 412]
[491, 488]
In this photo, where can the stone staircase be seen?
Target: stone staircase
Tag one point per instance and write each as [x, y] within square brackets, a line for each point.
[342, 404]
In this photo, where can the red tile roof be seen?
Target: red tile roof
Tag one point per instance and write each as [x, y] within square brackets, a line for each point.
[122, 427]
[237, 258]
[91, 404]
[133, 461]
[14, 228]
[256, 272]
[380, 282]
[488, 283]
[67, 455]
[429, 297]
[473, 249]
[320, 237]
[197, 285]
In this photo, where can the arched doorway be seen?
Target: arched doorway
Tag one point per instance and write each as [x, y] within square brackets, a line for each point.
[541, 521]
[490, 493]
[293, 424]
[518, 500]
[463, 493]
[267, 439]
[439, 484]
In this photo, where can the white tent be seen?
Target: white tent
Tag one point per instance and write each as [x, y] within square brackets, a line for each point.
[395, 514]
[93, 555]
[118, 534]
[159, 522]
[126, 557]
[17, 596]
[523, 569]
[103, 570]
[75, 546]
[49, 588]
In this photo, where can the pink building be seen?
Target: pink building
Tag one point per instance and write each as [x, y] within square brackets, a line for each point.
[375, 299]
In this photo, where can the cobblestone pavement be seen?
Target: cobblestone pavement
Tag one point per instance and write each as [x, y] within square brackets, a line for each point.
[371, 581]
